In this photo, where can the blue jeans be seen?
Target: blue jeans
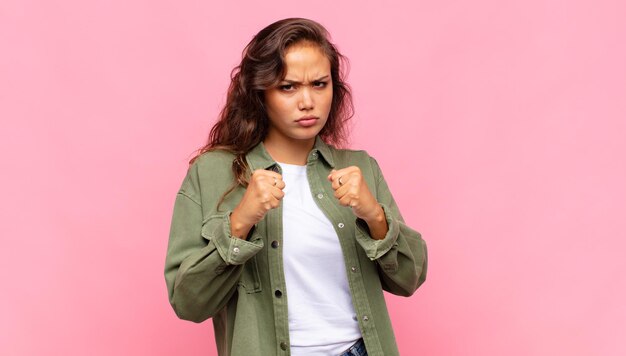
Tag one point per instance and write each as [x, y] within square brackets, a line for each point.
[358, 349]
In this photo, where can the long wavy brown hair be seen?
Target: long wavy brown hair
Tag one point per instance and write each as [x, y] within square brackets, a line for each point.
[243, 122]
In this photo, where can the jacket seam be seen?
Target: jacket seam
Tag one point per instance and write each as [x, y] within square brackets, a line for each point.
[185, 194]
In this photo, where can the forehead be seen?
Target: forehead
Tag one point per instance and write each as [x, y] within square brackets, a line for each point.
[306, 59]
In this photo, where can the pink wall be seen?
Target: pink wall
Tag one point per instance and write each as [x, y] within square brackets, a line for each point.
[500, 126]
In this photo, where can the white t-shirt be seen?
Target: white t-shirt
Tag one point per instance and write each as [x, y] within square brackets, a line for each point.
[322, 320]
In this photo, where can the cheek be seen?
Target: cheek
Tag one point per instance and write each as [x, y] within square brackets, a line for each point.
[281, 104]
[329, 99]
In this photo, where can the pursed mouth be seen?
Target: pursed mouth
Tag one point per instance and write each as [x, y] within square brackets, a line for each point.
[308, 118]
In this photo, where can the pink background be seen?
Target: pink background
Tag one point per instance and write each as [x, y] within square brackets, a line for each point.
[500, 126]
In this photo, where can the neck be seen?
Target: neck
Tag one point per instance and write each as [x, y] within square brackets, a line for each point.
[290, 152]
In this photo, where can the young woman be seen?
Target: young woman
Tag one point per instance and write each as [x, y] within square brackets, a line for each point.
[286, 241]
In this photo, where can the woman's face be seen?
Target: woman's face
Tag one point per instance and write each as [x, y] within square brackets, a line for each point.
[299, 106]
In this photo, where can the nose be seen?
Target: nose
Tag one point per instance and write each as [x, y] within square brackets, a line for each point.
[306, 99]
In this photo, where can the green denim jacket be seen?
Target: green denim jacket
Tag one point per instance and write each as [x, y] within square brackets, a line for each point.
[210, 274]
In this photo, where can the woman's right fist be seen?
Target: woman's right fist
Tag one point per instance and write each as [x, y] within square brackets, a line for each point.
[264, 192]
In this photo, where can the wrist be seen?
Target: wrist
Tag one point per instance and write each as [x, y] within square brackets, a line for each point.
[376, 217]
[238, 228]
[377, 224]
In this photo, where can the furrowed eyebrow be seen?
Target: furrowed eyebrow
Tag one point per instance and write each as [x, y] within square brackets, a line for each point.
[297, 82]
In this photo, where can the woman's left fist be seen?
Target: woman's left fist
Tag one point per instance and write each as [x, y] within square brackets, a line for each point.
[351, 190]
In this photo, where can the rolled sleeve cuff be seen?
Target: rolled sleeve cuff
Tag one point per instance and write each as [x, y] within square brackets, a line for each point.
[233, 250]
[374, 249]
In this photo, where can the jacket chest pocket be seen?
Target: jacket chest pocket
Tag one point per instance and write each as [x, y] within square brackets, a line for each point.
[214, 230]
[250, 278]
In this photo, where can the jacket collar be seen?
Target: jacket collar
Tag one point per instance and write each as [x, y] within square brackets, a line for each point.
[259, 158]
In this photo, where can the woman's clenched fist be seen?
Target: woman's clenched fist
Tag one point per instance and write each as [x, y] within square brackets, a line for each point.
[264, 192]
[351, 190]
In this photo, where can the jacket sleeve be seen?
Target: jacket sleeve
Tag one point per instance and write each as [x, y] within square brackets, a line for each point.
[204, 262]
[402, 255]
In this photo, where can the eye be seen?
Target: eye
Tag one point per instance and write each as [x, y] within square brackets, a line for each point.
[320, 84]
[286, 87]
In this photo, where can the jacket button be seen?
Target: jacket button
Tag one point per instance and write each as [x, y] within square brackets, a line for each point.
[365, 318]
[341, 225]
[278, 293]
[275, 244]
[283, 345]
[236, 250]
[320, 196]
[353, 269]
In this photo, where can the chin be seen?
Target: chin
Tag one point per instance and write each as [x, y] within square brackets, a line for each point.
[304, 137]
